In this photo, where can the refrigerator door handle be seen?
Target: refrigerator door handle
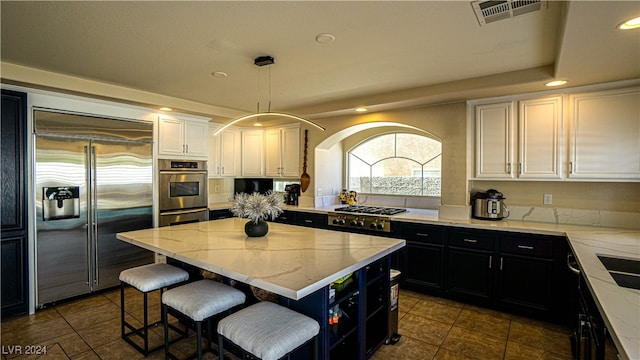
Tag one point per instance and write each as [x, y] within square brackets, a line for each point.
[94, 217]
[88, 226]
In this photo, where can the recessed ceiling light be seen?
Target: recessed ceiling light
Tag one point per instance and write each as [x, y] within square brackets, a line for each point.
[325, 38]
[630, 24]
[164, 108]
[219, 74]
[556, 83]
[361, 109]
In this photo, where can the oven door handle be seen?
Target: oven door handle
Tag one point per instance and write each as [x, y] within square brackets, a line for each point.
[177, 212]
[186, 172]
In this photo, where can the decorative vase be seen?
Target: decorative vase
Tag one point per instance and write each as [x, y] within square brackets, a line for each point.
[256, 230]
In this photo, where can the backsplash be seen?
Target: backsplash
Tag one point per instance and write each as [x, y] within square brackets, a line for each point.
[605, 218]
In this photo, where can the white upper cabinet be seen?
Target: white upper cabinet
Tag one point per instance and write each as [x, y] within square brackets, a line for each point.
[252, 153]
[224, 152]
[604, 140]
[494, 127]
[525, 144]
[539, 133]
[182, 138]
[282, 152]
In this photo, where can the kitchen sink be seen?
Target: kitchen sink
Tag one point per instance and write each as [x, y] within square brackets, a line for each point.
[625, 272]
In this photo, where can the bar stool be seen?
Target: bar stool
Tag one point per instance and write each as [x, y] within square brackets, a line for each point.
[145, 279]
[199, 301]
[267, 331]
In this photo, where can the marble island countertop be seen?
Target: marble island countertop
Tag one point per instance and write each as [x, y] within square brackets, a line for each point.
[291, 261]
[619, 306]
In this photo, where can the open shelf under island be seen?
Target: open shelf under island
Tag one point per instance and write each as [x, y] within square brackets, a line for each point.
[301, 265]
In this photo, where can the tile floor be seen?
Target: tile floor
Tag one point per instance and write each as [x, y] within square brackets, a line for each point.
[431, 328]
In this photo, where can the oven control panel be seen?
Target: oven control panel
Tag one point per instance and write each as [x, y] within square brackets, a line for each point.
[360, 221]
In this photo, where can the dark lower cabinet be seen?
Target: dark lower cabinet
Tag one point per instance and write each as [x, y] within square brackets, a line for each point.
[525, 283]
[287, 217]
[516, 272]
[470, 276]
[13, 241]
[533, 277]
[470, 268]
[423, 264]
[313, 220]
[220, 214]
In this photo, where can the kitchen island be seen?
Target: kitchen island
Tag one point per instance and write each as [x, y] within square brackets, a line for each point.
[298, 263]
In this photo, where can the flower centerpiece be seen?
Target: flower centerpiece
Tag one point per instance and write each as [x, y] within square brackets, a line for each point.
[257, 208]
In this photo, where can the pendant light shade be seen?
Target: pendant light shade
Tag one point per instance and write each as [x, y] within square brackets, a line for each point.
[264, 61]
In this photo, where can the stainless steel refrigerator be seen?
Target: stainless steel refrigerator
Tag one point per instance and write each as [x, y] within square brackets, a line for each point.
[93, 179]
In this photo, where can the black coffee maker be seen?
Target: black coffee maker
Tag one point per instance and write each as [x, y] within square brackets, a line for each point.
[292, 193]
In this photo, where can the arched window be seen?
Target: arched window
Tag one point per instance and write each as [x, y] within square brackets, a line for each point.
[396, 164]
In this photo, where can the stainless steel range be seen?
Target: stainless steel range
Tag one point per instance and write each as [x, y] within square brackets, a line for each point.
[361, 217]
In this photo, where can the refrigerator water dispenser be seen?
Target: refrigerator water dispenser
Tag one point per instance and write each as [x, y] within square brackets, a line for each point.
[61, 202]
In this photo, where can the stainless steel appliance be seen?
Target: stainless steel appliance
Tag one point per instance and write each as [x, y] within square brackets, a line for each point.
[182, 191]
[292, 193]
[590, 338]
[489, 205]
[92, 180]
[360, 217]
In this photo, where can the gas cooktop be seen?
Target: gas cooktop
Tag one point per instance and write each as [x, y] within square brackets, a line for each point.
[372, 210]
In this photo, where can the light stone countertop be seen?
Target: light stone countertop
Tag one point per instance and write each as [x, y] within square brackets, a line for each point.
[291, 261]
[619, 306]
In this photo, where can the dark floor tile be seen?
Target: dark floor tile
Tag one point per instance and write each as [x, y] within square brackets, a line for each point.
[517, 351]
[406, 349]
[86, 317]
[37, 333]
[19, 322]
[423, 329]
[474, 345]
[444, 354]
[87, 355]
[116, 350]
[101, 333]
[550, 338]
[440, 311]
[72, 344]
[483, 323]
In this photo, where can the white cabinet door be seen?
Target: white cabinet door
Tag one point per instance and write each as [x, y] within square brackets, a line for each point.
[229, 152]
[182, 138]
[170, 136]
[539, 134]
[605, 135]
[252, 153]
[290, 152]
[214, 152]
[272, 152]
[196, 138]
[494, 127]
[282, 152]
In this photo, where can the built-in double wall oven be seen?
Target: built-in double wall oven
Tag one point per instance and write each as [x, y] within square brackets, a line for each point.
[182, 191]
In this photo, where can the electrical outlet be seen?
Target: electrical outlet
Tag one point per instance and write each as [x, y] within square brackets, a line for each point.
[216, 189]
[547, 199]
[319, 192]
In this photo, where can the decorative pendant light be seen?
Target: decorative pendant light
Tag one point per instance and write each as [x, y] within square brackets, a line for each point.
[265, 61]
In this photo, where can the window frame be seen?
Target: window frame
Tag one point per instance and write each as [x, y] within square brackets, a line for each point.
[348, 158]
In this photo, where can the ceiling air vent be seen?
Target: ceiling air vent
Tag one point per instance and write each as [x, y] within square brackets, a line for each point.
[495, 10]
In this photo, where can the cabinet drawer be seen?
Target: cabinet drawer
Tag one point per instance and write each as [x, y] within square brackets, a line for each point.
[423, 233]
[533, 246]
[472, 240]
[311, 220]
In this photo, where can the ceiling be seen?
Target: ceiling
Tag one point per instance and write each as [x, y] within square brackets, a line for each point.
[386, 54]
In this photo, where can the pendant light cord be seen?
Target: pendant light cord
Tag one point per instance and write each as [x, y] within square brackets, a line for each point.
[269, 109]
